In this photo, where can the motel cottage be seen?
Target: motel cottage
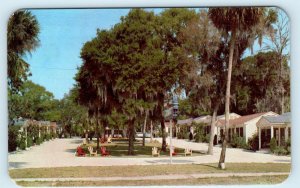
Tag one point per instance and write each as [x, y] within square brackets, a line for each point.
[274, 126]
[243, 126]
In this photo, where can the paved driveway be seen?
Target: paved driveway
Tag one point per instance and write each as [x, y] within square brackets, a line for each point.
[61, 153]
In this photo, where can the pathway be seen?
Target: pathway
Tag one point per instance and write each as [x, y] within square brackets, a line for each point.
[61, 153]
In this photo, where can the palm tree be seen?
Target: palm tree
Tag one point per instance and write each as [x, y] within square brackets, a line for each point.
[22, 38]
[233, 21]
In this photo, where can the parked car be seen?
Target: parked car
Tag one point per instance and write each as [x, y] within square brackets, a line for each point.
[140, 135]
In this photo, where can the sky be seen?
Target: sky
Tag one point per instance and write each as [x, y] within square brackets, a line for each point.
[62, 34]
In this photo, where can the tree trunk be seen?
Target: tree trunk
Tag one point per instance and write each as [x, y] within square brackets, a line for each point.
[98, 133]
[281, 85]
[131, 137]
[144, 128]
[151, 131]
[162, 121]
[227, 101]
[212, 129]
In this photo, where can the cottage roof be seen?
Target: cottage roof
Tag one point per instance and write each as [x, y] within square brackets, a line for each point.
[242, 119]
[284, 118]
[185, 121]
[202, 119]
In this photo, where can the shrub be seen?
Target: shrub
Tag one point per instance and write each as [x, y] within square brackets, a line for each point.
[22, 142]
[183, 133]
[280, 150]
[200, 135]
[160, 133]
[39, 140]
[253, 143]
[288, 146]
[13, 132]
[238, 142]
[273, 144]
[29, 141]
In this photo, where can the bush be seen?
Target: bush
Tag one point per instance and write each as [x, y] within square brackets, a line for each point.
[13, 132]
[238, 142]
[160, 134]
[22, 142]
[29, 141]
[39, 140]
[253, 143]
[288, 146]
[200, 135]
[273, 144]
[280, 150]
[183, 133]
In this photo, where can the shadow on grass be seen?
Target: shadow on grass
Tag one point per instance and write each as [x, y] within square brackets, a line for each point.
[16, 164]
[283, 160]
[76, 141]
[175, 161]
[70, 150]
[210, 166]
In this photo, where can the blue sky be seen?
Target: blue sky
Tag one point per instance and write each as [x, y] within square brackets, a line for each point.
[62, 34]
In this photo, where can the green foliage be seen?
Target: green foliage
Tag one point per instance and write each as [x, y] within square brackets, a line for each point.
[280, 150]
[29, 141]
[253, 142]
[273, 144]
[200, 135]
[238, 142]
[13, 132]
[183, 133]
[39, 140]
[32, 101]
[22, 37]
[22, 142]
[257, 85]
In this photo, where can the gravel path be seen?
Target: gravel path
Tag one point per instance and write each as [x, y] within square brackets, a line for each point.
[61, 153]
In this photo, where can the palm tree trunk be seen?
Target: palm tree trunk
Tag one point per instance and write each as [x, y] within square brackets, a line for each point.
[212, 129]
[151, 130]
[227, 101]
[144, 128]
[98, 133]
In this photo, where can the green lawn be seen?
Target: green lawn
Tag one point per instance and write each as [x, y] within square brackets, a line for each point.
[192, 181]
[119, 148]
[111, 171]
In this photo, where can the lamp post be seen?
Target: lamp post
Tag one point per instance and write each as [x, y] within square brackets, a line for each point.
[173, 120]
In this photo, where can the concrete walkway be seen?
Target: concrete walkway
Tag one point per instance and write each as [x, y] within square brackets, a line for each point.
[61, 153]
[157, 177]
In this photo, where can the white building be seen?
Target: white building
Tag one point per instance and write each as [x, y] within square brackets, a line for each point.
[244, 126]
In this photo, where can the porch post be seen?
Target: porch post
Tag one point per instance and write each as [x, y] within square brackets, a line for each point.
[25, 137]
[272, 132]
[259, 138]
[279, 130]
[286, 133]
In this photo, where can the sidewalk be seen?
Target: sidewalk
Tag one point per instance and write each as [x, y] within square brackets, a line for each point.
[158, 177]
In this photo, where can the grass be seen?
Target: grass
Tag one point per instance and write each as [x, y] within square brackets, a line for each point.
[102, 171]
[192, 181]
[119, 148]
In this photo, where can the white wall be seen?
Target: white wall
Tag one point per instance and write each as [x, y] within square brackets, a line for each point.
[250, 126]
